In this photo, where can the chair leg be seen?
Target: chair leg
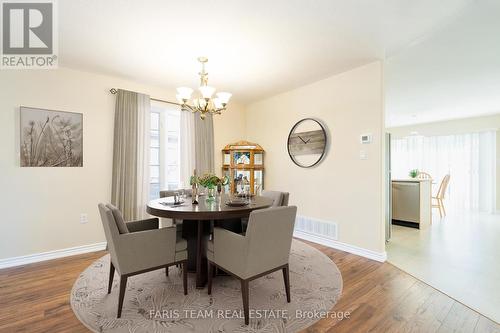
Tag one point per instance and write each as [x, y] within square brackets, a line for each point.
[439, 207]
[442, 205]
[244, 293]
[210, 277]
[185, 276]
[166, 271]
[123, 286]
[286, 278]
[111, 276]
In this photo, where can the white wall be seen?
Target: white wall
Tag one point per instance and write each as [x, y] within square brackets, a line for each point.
[41, 206]
[343, 188]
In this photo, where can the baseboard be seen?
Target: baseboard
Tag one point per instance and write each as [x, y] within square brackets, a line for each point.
[378, 256]
[37, 257]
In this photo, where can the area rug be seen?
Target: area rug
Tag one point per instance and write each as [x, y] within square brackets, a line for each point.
[156, 303]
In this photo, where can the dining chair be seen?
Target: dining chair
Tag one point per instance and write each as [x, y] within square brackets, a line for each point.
[424, 175]
[171, 193]
[279, 198]
[138, 247]
[265, 248]
[440, 196]
[176, 222]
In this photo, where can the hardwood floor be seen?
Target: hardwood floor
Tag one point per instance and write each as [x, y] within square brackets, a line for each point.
[382, 298]
[379, 298]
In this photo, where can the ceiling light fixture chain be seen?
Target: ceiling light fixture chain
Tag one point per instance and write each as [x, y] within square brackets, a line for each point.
[203, 74]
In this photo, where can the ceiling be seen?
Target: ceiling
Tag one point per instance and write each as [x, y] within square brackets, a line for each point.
[452, 73]
[255, 48]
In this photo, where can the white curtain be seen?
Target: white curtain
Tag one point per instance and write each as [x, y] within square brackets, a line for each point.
[469, 158]
[204, 144]
[130, 180]
[143, 143]
[187, 148]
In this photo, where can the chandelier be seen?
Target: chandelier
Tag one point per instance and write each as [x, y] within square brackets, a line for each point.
[205, 103]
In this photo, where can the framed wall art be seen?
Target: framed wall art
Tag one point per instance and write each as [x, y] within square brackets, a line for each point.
[51, 138]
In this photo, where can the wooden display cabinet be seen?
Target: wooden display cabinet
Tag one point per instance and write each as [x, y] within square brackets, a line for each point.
[243, 164]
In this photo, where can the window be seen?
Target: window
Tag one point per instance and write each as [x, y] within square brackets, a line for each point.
[154, 155]
[469, 159]
[164, 148]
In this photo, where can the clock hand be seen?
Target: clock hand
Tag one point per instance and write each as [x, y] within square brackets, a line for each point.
[308, 140]
[301, 138]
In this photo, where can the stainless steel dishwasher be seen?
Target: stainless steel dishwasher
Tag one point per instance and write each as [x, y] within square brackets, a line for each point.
[406, 201]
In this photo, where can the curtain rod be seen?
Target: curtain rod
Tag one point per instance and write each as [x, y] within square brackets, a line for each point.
[114, 91]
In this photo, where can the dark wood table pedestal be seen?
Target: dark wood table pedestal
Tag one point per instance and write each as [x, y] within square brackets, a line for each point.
[198, 221]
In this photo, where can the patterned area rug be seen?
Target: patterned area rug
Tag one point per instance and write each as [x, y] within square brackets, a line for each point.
[155, 303]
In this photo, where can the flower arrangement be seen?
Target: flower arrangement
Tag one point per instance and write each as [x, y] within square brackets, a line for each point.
[209, 180]
[413, 173]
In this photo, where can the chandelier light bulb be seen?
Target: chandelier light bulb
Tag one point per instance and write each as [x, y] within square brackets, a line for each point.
[224, 97]
[207, 91]
[184, 93]
[196, 102]
[217, 103]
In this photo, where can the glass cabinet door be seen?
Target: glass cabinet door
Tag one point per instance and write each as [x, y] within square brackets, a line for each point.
[258, 159]
[258, 182]
[227, 158]
[227, 173]
[242, 181]
[241, 157]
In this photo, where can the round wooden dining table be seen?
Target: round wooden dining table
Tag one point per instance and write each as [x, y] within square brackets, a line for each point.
[197, 221]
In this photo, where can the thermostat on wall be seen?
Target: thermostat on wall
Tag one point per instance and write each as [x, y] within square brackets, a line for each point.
[366, 138]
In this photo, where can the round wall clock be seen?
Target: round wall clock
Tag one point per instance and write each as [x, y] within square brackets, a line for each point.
[307, 142]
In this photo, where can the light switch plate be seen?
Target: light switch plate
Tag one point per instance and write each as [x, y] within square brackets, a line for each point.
[363, 155]
[84, 218]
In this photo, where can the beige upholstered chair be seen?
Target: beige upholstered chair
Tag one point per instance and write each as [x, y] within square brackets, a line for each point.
[171, 193]
[280, 198]
[139, 247]
[176, 222]
[440, 196]
[264, 248]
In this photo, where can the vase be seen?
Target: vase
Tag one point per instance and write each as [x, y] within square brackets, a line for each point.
[211, 193]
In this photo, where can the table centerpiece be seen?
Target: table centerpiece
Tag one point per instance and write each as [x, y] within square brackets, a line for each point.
[211, 182]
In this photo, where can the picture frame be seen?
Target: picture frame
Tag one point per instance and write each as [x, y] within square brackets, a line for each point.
[50, 138]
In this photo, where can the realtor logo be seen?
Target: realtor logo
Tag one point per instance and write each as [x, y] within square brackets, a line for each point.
[28, 35]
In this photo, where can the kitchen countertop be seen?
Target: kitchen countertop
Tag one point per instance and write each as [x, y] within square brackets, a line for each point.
[411, 180]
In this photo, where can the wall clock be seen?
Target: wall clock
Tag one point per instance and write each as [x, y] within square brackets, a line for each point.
[307, 142]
